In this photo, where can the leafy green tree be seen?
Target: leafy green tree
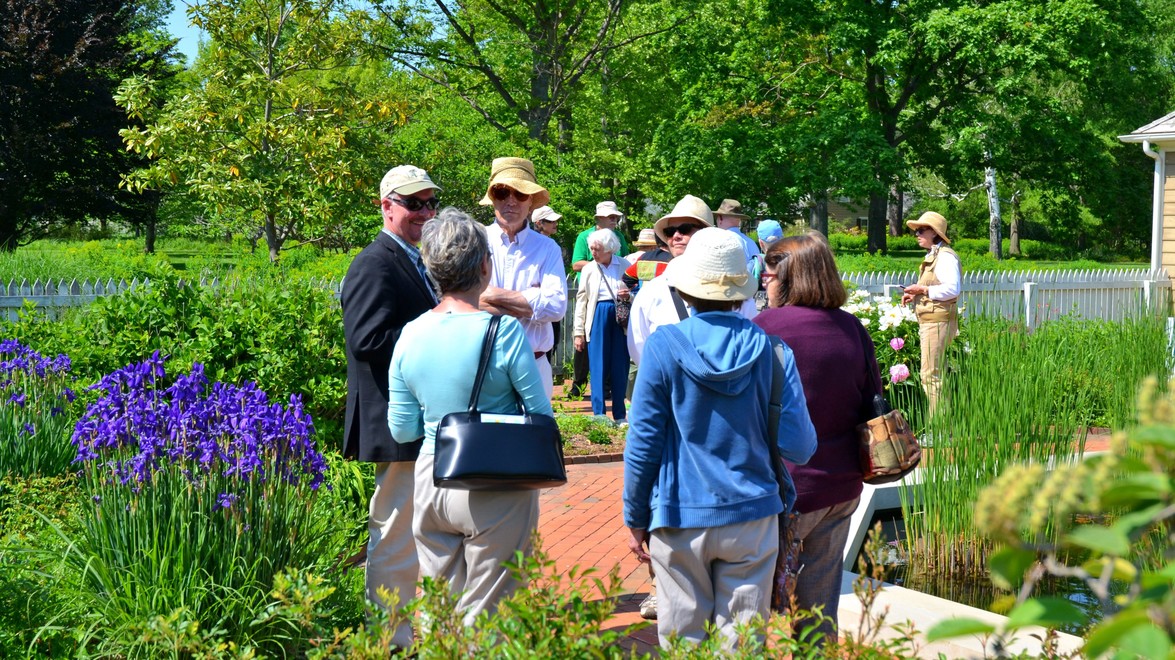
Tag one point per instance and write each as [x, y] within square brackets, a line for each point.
[271, 133]
[60, 63]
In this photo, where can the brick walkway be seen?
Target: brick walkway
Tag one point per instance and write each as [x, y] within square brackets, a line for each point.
[581, 525]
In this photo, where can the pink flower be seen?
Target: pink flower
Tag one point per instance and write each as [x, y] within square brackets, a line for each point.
[898, 373]
[897, 343]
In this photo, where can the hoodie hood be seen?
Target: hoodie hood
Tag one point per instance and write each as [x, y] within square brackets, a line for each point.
[718, 350]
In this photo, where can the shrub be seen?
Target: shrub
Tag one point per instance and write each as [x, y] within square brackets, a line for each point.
[36, 412]
[285, 336]
[200, 494]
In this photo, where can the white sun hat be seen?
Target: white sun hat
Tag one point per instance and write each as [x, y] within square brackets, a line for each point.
[713, 267]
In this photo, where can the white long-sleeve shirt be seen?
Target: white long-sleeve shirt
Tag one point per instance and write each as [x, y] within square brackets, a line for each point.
[531, 264]
[949, 272]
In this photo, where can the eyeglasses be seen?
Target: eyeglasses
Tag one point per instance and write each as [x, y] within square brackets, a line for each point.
[500, 193]
[545, 221]
[415, 204]
[684, 230]
[922, 230]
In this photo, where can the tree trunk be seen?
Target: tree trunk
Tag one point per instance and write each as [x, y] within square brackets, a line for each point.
[876, 225]
[993, 207]
[271, 238]
[149, 244]
[1014, 230]
[893, 210]
[566, 130]
[820, 212]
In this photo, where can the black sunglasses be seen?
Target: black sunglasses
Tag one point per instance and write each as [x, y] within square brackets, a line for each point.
[684, 230]
[415, 204]
[502, 192]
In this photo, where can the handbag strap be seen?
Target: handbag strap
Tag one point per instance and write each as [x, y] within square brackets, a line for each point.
[606, 283]
[487, 349]
[774, 411]
[682, 312]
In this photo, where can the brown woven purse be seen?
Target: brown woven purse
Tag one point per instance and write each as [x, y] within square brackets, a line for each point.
[889, 450]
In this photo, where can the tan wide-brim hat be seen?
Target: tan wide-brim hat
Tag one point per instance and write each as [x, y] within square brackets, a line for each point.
[689, 208]
[516, 173]
[936, 222]
[646, 239]
[732, 208]
[713, 267]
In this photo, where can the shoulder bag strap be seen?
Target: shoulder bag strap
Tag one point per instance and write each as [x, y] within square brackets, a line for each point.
[682, 312]
[487, 349]
[774, 411]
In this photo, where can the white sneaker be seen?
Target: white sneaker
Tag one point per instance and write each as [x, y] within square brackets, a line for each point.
[648, 607]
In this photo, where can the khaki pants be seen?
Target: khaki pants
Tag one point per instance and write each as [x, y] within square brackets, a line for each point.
[391, 551]
[720, 575]
[466, 537]
[935, 339]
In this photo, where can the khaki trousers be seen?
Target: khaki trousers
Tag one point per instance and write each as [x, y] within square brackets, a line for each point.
[466, 537]
[935, 339]
[391, 551]
[719, 575]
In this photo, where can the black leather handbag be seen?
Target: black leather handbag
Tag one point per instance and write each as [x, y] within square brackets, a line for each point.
[488, 451]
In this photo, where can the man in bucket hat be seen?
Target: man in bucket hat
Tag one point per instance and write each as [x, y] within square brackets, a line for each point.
[657, 303]
[935, 298]
[385, 288]
[729, 215]
[701, 500]
[527, 279]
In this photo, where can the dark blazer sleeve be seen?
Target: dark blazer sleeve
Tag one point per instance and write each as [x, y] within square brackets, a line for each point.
[381, 294]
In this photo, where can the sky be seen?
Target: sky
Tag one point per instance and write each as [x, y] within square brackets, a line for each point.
[177, 25]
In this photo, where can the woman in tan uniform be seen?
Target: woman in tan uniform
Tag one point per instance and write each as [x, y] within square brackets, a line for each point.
[935, 298]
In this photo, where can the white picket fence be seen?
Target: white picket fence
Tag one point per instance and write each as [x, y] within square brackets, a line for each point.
[1034, 297]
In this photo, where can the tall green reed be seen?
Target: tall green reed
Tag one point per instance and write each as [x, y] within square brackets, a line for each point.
[1014, 397]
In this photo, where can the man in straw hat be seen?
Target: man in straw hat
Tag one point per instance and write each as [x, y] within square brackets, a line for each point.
[701, 500]
[935, 298]
[657, 303]
[527, 282]
[729, 215]
[386, 287]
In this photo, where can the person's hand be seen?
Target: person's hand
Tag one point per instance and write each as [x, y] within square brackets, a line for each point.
[580, 343]
[907, 298]
[638, 543]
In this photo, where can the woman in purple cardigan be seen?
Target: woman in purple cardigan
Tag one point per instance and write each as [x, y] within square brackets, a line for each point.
[839, 373]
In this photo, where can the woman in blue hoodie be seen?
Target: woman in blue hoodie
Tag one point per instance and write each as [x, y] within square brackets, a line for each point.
[701, 499]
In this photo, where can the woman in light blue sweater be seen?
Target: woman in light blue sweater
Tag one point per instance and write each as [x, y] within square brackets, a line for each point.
[701, 499]
[464, 537]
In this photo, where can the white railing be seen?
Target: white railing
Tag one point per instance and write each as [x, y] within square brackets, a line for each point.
[1034, 297]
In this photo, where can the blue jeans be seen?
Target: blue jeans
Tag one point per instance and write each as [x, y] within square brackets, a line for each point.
[607, 351]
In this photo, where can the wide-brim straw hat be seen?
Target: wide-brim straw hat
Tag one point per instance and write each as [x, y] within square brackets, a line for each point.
[646, 239]
[731, 207]
[689, 208]
[936, 222]
[713, 267]
[516, 173]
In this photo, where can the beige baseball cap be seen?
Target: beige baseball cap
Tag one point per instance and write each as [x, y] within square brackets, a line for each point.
[405, 180]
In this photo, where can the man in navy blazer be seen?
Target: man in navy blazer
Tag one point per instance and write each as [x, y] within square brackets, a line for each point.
[385, 288]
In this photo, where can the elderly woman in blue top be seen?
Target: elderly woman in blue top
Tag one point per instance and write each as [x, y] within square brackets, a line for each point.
[600, 287]
[462, 536]
[701, 499]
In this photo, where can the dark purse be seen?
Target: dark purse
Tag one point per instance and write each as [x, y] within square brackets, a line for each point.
[487, 451]
[623, 307]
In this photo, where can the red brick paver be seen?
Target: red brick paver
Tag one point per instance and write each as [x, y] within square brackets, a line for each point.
[581, 525]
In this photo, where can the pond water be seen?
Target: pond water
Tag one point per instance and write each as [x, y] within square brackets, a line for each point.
[978, 591]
